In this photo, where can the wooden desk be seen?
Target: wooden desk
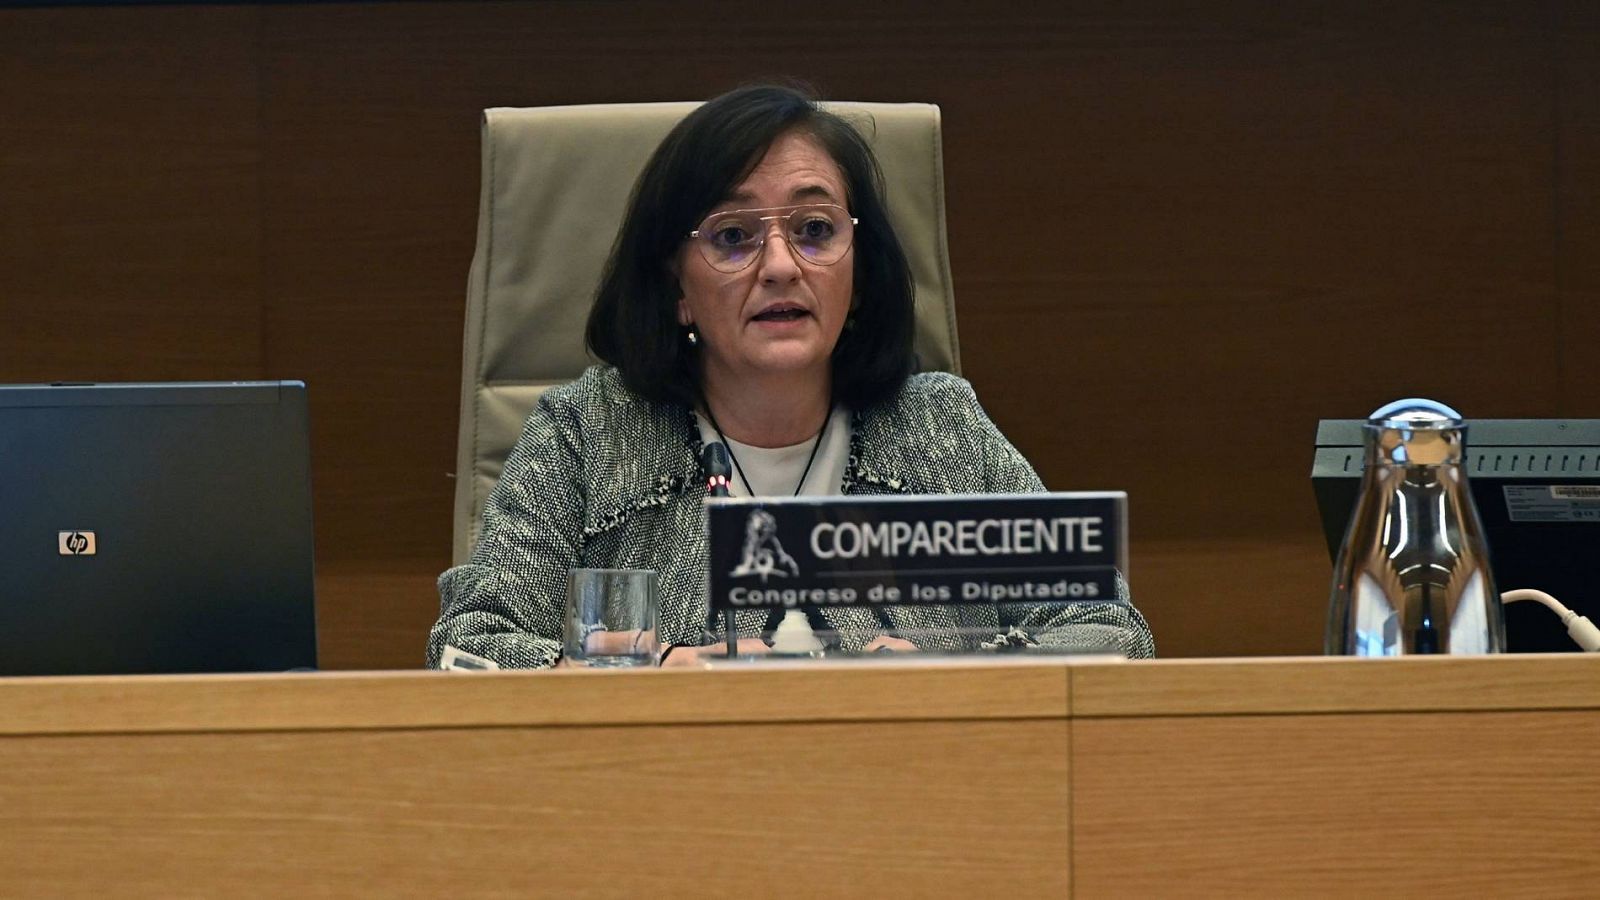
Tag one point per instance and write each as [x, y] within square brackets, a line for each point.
[1267, 777]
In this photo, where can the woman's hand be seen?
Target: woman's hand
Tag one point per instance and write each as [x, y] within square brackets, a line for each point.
[612, 643]
[696, 656]
[886, 643]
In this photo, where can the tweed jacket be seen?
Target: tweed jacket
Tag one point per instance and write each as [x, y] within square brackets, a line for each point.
[602, 478]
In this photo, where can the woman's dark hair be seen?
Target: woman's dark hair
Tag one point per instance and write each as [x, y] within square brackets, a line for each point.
[634, 324]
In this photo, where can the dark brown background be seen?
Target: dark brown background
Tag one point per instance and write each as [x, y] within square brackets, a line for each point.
[1181, 233]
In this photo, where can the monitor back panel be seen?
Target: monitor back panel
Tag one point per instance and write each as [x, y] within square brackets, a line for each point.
[155, 528]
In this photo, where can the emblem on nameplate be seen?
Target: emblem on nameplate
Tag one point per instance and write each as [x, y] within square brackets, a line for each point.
[763, 554]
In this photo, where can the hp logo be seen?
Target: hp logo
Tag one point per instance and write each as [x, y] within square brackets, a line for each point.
[75, 543]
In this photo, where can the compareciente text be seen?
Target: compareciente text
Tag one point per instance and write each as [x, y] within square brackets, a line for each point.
[961, 537]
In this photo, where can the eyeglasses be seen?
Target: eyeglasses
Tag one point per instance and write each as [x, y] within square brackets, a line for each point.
[820, 234]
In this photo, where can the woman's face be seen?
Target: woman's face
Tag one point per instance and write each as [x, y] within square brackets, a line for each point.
[779, 315]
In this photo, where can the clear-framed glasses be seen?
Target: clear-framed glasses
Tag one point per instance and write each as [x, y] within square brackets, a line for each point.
[820, 234]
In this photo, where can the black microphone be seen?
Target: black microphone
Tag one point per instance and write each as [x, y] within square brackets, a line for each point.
[714, 462]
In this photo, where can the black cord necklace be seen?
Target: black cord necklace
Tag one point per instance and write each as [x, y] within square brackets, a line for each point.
[815, 446]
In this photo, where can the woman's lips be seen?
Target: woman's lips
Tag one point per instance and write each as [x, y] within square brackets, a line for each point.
[782, 316]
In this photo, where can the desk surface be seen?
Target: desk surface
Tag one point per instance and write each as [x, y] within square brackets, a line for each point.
[1090, 778]
[805, 692]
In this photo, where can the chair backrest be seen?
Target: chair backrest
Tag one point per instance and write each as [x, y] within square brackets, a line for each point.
[556, 182]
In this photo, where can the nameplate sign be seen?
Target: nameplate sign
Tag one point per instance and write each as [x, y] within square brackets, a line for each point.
[942, 550]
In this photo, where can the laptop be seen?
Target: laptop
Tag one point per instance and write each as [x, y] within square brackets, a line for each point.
[155, 528]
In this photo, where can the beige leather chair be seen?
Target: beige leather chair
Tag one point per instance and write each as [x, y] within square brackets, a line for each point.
[555, 184]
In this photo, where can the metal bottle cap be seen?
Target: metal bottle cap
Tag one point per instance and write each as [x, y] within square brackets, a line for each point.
[1415, 432]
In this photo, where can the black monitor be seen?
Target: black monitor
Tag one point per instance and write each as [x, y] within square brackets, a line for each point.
[150, 528]
[1536, 483]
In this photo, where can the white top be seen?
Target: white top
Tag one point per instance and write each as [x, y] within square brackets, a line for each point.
[773, 472]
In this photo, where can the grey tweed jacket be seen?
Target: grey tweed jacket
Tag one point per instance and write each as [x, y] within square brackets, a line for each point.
[601, 478]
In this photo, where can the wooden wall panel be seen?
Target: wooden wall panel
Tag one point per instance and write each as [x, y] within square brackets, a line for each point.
[1245, 227]
[375, 613]
[129, 215]
[1179, 235]
[370, 178]
[1253, 595]
[1577, 160]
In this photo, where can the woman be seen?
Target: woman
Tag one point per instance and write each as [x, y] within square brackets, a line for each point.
[756, 295]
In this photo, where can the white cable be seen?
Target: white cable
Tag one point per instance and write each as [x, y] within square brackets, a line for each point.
[1582, 631]
[1542, 597]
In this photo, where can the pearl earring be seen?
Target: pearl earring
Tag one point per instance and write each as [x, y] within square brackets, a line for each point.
[693, 338]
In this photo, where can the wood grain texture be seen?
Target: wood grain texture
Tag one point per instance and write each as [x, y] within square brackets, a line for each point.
[375, 613]
[1425, 805]
[1333, 684]
[881, 809]
[906, 690]
[388, 700]
[1212, 596]
[1180, 235]
[1448, 779]
[1236, 208]
[1577, 207]
[130, 231]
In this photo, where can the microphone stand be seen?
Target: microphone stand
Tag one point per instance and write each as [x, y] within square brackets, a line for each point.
[715, 463]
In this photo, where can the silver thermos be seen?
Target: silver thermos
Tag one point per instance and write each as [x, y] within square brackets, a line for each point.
[1413, 573]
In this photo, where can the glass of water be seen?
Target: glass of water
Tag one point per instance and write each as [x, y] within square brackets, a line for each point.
[611, 618]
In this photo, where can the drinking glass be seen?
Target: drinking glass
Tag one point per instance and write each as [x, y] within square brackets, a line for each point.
[611, 618]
